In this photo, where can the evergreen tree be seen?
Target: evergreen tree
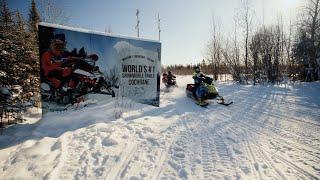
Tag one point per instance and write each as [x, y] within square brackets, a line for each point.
[20, 22]
[32, 47]
[19, 63]
[6, 52]
[20, 27]
[6, 15]
[34, 18]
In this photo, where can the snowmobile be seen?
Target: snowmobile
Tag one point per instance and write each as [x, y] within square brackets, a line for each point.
[206, 91]
[168, 82]
[86, 81]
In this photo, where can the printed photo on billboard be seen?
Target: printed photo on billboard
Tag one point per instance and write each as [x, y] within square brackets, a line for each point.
[80, 65]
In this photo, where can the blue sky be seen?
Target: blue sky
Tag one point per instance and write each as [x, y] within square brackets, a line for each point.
[185, 23]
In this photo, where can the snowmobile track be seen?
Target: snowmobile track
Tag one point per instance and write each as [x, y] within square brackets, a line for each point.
[216, 155]
[284, 133]
[299, 169]
[245, 111]
[246, 148]
[296, 167]
[262, 131]
[178, 156]
[266, 160]
[164, 154]
[256, 148]
[252, 152]
[124, 163]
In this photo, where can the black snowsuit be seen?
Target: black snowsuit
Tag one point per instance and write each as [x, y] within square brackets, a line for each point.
[171, 79]
[197, 81]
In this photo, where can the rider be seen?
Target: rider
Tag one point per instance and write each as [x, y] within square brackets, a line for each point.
[171, 78]
[198, 77]
[165, 77]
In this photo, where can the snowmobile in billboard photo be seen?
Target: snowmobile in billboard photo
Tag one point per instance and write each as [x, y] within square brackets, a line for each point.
[85, 78]
[206, 91]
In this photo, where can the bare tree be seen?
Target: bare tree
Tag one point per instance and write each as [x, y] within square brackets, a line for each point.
[246, 15]
[312, 25]
[213, 49]
[53, 13]
[307, 43]
[288, 50]
[267, 52]
[255, 46]
[278, 50]
[232, 55]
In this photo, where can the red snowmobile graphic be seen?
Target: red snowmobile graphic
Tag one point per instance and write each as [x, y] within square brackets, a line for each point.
[85, 78]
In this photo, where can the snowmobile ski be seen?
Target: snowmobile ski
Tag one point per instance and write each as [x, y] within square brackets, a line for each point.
[203, 104]
[225, 103]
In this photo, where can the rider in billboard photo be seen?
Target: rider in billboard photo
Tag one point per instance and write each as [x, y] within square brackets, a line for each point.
[52, 64]
[56, 63]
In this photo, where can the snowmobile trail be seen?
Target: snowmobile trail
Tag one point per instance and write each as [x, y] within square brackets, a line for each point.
[270, 132]
[250, 109]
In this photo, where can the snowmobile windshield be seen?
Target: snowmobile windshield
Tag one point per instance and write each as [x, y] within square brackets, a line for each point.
[208, 80]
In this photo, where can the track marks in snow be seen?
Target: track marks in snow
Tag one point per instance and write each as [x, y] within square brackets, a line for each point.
[182, 160]
[35, 159]
[90, 153]
[147, 161]
[265, 134]
[268, 133]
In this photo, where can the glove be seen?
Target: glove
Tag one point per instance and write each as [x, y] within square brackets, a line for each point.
[96, 68]
[64, 61]
[55, 82]
[66, 72]
[93, 57]
[57, 64]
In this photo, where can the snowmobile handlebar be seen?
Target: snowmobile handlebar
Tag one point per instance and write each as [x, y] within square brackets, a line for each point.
[73, 59]
[207, 80]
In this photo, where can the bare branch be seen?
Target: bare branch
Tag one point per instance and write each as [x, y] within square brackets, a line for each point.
[53, 13]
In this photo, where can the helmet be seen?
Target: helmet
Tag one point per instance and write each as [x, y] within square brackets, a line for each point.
[58, 43]
[197, 69]
[169, 72]
[60, 37]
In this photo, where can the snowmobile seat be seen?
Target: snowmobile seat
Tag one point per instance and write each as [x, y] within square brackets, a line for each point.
[190, 87]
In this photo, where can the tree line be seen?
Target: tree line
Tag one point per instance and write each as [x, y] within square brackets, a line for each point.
[264, 53]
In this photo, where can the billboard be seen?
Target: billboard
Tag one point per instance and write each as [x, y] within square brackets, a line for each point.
[77, 63]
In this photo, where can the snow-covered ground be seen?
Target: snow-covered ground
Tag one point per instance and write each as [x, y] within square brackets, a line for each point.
[270, 132]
